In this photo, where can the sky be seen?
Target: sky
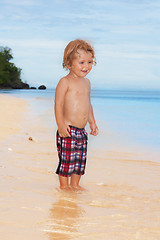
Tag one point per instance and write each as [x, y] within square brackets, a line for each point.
[124, 33]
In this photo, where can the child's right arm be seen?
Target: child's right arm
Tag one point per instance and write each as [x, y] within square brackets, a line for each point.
[61, 89]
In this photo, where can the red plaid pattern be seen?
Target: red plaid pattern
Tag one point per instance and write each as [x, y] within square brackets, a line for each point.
[72, 152]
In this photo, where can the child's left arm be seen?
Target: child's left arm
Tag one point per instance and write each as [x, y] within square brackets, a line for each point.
[92, 122]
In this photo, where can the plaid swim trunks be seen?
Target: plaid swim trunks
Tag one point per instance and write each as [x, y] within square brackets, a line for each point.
[72, 152]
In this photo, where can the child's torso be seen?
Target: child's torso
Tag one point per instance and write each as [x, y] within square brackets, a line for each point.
[77, 103]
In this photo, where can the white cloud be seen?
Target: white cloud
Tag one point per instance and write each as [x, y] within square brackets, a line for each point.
[34, 43]
[132, 51]
[21, 2]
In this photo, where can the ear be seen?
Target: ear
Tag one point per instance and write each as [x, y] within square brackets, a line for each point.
[69, 67]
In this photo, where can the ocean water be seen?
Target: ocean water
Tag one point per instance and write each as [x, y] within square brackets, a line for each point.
[128, 120]
[131, 118]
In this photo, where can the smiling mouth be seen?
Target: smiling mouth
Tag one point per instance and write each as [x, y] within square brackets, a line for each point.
[84, 71]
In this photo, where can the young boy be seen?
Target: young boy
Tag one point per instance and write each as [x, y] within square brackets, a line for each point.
[73, 110]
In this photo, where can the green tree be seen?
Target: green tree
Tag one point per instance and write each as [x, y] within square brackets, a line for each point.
[10, 75]
[7, 53]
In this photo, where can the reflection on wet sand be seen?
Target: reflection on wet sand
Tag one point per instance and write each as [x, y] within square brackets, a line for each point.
[64, 217]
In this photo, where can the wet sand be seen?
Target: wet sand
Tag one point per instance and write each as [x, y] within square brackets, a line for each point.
[122, 200]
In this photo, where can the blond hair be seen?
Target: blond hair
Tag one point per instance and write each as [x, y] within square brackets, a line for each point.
[71, 51]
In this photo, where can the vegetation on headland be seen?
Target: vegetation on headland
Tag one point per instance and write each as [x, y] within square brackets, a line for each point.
[10, 75]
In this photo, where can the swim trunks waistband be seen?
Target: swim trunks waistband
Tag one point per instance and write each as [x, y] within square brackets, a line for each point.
[76, 127]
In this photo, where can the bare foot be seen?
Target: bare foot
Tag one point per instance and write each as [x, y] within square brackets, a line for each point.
[66, 188]
[78, 188]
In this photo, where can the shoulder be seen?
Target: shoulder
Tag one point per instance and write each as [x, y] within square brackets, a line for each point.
[63, 80]
[88, 82]
[62, 87]
[63, 83]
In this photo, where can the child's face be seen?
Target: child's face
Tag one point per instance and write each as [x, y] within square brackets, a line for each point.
[82, 64]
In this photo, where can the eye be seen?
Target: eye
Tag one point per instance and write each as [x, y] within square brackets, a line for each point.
[81, 62]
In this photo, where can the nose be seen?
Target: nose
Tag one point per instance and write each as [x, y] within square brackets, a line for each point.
[86, 65]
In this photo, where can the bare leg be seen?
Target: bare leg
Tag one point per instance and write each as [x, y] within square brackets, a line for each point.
[64, 183]
[75, 182]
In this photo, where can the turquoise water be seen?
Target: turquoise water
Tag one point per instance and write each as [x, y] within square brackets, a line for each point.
[126, 119]
[134, 115]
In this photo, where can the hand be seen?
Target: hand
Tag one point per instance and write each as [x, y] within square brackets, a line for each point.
[64, 130]
[94, 129]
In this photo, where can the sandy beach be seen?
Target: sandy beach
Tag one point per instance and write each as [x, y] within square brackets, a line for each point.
[122, 200]
[11, 112]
